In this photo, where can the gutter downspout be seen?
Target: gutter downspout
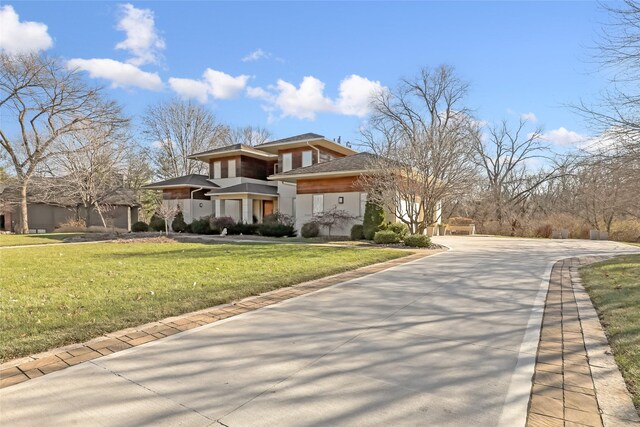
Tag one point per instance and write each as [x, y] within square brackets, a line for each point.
[315, 148]
[191, 200]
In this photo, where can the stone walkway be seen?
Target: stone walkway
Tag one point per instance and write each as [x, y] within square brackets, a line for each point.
[19, 370]
[563, 392]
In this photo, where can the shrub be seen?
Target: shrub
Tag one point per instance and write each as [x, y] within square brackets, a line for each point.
[72, 225]
[242, 228]
[373, 220]
[156, 223]
[544, 231]
[385, 237]
[219, 223]
[401, 229]
[201, 226]
[357, 232]
[417, 241]
[276, 230]
[178, 225]
[140, 227]
[278, 218]
[310, 229]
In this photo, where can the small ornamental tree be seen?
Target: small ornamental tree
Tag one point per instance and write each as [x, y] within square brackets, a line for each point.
[332, 218]
[167, 213]
[373, 220]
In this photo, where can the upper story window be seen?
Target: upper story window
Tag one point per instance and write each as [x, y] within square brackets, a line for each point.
[286, 162]
[307, 158]
[217, 170]
[232, 168]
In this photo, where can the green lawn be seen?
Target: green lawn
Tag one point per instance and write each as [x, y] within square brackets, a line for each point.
[56, 295]
[33, 239]
[614, 287]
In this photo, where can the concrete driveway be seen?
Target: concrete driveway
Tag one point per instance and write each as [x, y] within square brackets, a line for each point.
[445, 340]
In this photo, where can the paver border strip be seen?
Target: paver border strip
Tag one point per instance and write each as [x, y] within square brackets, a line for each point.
[613, 398]
[21, 370]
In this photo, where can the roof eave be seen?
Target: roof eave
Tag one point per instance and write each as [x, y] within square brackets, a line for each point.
[313, 175]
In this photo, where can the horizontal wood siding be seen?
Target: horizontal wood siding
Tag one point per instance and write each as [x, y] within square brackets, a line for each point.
[176, 193]
[343, 184]
[254, 168]
[224, 166]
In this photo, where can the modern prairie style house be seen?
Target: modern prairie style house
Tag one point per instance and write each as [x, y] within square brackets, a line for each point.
[299, 176]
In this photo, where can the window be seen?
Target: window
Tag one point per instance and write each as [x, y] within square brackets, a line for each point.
[286, 162]
[217, 170]
[363, 203]
[307, 158]
[318, 204]
[232, 168]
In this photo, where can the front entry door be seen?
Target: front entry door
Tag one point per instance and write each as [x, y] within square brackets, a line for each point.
[267, 207]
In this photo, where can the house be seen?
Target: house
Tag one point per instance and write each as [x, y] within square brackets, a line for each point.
[47, 211]
[299, 176]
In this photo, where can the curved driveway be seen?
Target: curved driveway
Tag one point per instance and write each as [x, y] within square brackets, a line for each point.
[445, 340]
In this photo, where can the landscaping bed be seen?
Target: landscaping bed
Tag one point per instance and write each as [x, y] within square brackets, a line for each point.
[56, 295]
[614, 288]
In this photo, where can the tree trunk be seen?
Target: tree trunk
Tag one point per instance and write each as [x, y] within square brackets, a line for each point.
[24, 216]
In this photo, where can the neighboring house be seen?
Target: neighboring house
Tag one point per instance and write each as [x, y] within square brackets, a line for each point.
[298, 176]
[46, 213]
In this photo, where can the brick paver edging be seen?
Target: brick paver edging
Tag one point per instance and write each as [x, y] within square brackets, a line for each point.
[572, 384]
[23, 369]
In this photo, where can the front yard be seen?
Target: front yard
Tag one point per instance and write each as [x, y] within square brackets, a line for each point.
[614, 288]
[55, 295]
[34, 239]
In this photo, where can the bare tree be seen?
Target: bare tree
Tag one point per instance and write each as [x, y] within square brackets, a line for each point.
[178, 129]
[422, 135]
[249, 135]
[92, 163]
[40, 101]
[167, 213]
[504, 154]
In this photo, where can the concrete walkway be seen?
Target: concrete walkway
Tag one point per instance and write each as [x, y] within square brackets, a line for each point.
[446, 340]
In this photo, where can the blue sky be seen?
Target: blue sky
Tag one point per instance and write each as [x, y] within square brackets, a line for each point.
[521, 57]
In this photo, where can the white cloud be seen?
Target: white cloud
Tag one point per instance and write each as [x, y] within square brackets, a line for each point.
[224, 86]
[190, 89]
[142, 41]
[529, 117]
[21, 37]
[355, 95]
[308, 99]
[256, 55]
[118, 73]
[214, 83]
[562, 136]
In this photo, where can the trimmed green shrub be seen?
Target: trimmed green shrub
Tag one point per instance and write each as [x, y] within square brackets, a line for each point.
[373, 220]
[178, 225]
[357, 232]
[219, 223]
[385, 237]
[201, 226]
[242, 228]
[140, 227]
[310, 229]
[399, 228]
[276, 230]
[156, 223]
[417, 241]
